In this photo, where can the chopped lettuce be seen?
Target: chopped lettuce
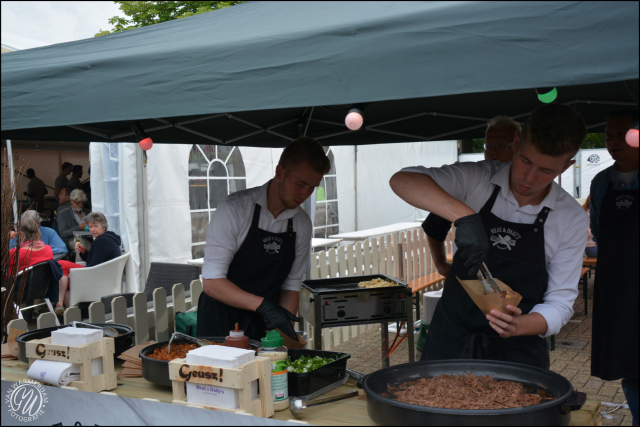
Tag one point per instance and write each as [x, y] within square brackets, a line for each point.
[307, 364]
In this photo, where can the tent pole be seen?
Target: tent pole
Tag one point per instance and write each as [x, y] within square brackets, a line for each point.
[355, 182]
[142, 216]
[13, 185]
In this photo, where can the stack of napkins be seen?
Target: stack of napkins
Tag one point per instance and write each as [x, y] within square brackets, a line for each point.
[132, 362]
[62, 373]
[219, 357]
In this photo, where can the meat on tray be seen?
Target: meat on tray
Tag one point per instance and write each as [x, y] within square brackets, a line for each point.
[465, 392]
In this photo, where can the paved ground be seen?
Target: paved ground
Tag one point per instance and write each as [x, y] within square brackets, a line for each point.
[573, 364]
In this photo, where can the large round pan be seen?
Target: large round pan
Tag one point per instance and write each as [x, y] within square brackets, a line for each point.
[122, 342]
[157, 371]
[385, 411]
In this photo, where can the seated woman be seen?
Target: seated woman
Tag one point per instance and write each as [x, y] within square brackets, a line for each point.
[49, 236]
[105, 248]
[74, 219]
[32, 250]
[592, 248]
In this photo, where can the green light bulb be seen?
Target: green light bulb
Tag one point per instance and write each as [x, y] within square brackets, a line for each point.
[548, 97]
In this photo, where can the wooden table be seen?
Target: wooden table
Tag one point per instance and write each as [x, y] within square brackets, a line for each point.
[342, 413]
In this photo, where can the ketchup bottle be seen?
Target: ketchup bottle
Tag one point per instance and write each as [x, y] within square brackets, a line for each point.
[237, 339]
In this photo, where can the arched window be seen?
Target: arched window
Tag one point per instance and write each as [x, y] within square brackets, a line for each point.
[326, 222]
[215, 171]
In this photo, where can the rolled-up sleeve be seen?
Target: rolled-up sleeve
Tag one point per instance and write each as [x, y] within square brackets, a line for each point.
[304, 231]
[222, 237]
[564, 274]
[457, 180]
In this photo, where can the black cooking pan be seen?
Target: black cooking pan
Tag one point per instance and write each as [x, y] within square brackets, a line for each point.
[157, 371]
[385, 411]
[123, 342]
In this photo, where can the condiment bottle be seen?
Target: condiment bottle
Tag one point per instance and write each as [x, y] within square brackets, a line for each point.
[237, 339]
[273, 349]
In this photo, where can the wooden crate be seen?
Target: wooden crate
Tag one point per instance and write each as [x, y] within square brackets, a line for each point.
[83, 355]
[239, 378]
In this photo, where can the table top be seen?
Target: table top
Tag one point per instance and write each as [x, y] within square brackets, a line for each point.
[324, 242]
[197, 261]
[341, 413]
[378, 231]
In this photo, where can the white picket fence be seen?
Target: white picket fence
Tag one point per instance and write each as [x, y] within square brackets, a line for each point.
[375, 256]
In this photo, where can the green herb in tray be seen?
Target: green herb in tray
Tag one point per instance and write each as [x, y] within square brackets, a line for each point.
[307, 364]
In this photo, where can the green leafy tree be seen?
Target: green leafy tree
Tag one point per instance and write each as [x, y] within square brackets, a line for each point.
[143, 13]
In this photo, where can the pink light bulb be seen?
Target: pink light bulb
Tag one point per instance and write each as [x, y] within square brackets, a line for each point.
[146, 144]
[353, 120]
[632, 137]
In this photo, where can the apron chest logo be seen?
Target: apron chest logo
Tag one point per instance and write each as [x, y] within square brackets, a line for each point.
[272, 245]
[504, 238]
[624, 202]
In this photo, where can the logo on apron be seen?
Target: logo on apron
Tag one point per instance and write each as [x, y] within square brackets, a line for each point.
[504, 238]
[624, 202]
[272, 245]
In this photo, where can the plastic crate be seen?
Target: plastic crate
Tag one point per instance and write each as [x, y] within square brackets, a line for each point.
[307, 383]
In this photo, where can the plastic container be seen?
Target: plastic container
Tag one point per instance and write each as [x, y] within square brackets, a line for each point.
[237, 339]
[273, 349]
[309, 382]
[422, 337]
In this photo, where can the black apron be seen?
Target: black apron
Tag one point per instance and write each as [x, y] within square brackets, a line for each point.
[260, 266]
[614, 349]
[459, 329]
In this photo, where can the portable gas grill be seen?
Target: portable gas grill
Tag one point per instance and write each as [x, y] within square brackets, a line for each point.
[337, 302]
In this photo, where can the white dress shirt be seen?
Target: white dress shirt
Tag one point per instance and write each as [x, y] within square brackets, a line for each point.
[230, 224]
[565, 231]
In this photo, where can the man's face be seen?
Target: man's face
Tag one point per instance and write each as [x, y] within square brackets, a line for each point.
[79, 174]
[614, 138]
[63, 196]
[77, 205]
[532, 171]
[68, 170]
[296, 185]
[499, 144]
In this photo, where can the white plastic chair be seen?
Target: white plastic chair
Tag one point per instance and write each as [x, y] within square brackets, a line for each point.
[89, 284]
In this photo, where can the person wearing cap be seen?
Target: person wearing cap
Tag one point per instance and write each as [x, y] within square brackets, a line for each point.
[502, 133]
[614, 225]
[257, 249]
[524, 226]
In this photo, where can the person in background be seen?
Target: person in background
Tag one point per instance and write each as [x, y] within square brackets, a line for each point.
[31, 249]
[499, 139]
[48, 235]
[106, 247]
[592, 248]
[614, 224]
[86, 187]
[62, 181]
[73, 219]
[63, 200]
[74, 181]
[36, 190]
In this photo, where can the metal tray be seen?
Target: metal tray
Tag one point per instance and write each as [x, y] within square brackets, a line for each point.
[350, 284]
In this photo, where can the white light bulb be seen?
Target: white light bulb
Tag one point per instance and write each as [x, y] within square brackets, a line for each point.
[353, 120]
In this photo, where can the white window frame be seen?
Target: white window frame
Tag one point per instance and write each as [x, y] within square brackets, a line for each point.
[325, 201]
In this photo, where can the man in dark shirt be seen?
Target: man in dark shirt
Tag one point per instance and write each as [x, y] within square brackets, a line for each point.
[36, 190]
[74, 181]
[61, 180]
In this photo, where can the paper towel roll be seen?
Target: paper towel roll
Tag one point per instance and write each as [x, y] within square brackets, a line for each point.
[55, 373]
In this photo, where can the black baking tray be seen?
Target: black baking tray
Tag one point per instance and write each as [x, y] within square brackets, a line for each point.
[309, 382]
[350, 283]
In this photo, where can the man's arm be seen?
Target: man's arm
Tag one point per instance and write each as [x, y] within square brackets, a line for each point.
[438, 253]
[227, 292]
[422, 192]
[290, 300]
[436, 229]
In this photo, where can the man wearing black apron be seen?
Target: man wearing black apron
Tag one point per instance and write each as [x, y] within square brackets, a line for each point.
[529, 231]
[258, 243]
[614, 224]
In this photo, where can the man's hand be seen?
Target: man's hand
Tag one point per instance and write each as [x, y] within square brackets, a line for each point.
[472, 242]
[277, 317]
[443, 268]
[80, 248]
[12, 234]
[82, 225]
[506, 326]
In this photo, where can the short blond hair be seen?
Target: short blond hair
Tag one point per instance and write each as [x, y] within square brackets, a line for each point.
[504, 122]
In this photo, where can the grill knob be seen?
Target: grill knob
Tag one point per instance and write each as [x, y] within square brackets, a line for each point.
[341, 313]
[387, 309]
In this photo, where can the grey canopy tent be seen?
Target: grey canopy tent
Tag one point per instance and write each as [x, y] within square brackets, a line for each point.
[261, 74]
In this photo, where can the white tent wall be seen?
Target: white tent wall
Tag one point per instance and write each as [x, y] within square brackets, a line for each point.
[592, 162]
[345, 163]
[168, 201]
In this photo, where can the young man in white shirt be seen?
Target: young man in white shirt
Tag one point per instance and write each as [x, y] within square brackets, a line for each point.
[257, 249]
[528, 230]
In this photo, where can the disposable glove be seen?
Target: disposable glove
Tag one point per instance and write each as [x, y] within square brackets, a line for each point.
[277, 317]
[472, 242]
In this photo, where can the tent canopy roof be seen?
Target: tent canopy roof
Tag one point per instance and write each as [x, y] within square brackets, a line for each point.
[259, 74]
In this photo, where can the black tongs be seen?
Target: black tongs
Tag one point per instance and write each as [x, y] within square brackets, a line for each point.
[488, 282]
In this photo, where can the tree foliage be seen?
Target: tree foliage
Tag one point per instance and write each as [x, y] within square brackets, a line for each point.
[143, 13]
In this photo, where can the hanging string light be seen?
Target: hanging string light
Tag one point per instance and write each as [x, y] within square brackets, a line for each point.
[354, 119]
[632, 135]
[547, 94]
[144, 141]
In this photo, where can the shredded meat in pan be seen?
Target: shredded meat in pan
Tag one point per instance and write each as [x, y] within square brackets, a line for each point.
[464, 392]
[178, 351]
